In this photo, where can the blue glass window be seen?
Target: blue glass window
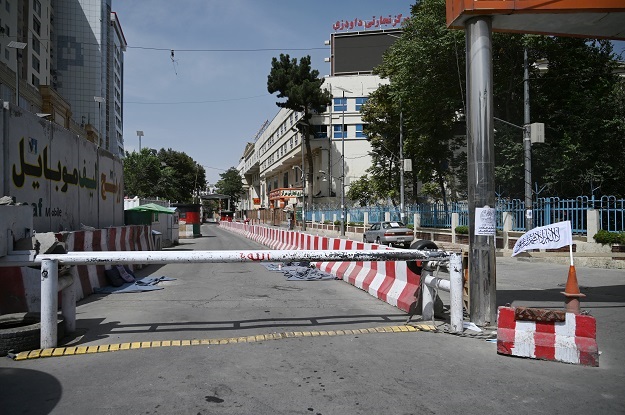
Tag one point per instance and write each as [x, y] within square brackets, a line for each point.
[360, 102]
[340, 131]
[340, 104]
[359, 132]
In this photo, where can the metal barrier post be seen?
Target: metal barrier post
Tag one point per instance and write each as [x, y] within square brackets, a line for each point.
[49, 302]
[455, 292]
[427, 301]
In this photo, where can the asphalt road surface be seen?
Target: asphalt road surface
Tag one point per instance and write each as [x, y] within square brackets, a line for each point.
[323, 366]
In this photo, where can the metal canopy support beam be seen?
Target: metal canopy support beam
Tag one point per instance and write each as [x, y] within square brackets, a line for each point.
[481, 167]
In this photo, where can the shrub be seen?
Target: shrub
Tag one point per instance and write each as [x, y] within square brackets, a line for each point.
[604, 237]
[463, 230]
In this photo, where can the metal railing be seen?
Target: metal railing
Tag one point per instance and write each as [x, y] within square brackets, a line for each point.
[546, 211]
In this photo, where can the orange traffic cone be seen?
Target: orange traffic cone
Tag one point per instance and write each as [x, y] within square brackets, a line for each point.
[572, 293]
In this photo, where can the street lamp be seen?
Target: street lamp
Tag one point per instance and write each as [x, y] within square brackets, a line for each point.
[139, 134]
[402, 210]
[99, 100]
[17, 46]
[343, 133]
[301, 169]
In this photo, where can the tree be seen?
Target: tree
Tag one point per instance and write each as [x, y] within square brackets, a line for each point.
[188, 177]
[579, 98]
[230, 184]
[301, 86]
[168, 174]
[427, 90]
[141, 173]
[362, 190]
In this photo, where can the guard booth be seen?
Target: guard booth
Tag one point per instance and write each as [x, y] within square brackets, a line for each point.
[226, 215]
[224, 212]
[189, 220]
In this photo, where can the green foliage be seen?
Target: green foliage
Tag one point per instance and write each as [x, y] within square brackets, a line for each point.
[604, 237]
[574, 90]
[463, 230]
[168, 174]
[363, 191]
[141, 173]
[426, 88]
[230, 184]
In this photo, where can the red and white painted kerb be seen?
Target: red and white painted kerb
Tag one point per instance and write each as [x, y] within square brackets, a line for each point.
[569, 341]
[389, 281]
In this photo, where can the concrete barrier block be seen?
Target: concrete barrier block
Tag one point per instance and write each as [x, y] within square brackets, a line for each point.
[570, 341]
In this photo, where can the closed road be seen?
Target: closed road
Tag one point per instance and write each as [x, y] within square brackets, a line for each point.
[290, 347]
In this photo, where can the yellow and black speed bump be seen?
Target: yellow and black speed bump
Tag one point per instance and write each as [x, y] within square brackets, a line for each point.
[77, 350]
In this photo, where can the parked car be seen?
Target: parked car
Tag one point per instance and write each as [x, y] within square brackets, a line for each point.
[389, 233]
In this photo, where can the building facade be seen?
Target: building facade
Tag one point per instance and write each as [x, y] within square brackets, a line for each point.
[272, 165]
[64, 60]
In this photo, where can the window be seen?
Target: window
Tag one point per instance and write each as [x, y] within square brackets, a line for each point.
[340, 104]
[285, 179]
[36, 65]
[340, 131]
[35, 45]
[7, 6]
[359, 132]
[36, 26]
[37, 7]
[360, 102]
[320, 131]
[34, 80]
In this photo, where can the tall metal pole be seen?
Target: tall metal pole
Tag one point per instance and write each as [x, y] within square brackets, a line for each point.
[402, 213]
[481, 168]
[303, 186]
[343, 167]
[527, 145]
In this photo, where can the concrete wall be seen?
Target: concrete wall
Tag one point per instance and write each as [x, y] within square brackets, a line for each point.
[66, 179]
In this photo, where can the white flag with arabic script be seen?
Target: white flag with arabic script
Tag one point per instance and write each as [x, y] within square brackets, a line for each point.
[551, 236]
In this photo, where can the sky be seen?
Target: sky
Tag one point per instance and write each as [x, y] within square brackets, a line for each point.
[210, 99]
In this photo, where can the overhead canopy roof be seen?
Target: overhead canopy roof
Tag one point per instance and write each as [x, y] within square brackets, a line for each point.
[580, 18]
[153, 207]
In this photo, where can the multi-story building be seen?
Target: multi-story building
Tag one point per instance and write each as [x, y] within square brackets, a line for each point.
[65, 62]
[88, 65]
[24, 51]
[272, 165]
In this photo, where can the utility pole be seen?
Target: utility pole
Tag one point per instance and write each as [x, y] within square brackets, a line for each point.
[527, 145]
[402, 207]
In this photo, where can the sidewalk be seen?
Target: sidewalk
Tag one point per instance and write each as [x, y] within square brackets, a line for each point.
[587, 254]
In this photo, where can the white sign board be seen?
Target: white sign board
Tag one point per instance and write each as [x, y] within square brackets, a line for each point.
[485, 221]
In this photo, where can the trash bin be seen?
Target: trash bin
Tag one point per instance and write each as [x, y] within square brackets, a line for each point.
[157, 239]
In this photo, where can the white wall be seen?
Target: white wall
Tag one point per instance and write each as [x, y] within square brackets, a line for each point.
[67, 180]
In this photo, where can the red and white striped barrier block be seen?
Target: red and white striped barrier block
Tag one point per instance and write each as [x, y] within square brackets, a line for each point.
[20, 287]
[570, 341]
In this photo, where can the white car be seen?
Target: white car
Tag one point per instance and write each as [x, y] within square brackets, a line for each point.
[389, 233]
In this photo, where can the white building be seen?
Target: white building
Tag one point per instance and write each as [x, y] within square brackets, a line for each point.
[272, 165]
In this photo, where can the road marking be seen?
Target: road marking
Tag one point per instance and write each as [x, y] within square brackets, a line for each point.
[106, 348]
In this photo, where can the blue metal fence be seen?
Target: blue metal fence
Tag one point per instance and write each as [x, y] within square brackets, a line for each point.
[545, 211]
